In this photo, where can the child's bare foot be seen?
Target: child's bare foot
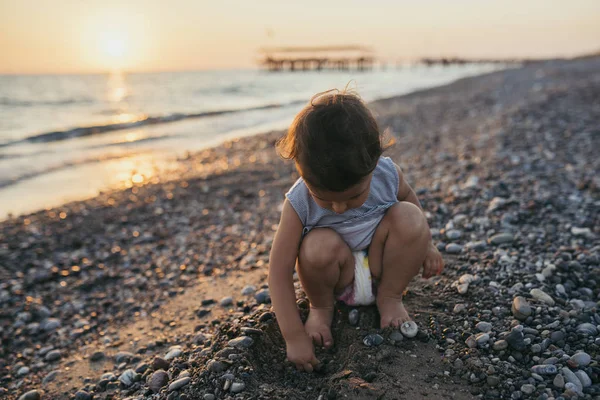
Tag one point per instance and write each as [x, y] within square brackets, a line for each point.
[392, 311]
[318, 326]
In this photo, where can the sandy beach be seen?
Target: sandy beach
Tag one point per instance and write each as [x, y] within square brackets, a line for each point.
[159, 291]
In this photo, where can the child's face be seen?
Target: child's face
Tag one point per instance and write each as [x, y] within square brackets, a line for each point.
[339, 202]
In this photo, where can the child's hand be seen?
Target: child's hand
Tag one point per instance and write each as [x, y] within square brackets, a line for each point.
[433, 264]
[300, 352]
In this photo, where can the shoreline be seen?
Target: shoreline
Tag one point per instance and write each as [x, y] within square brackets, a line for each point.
[488, 157]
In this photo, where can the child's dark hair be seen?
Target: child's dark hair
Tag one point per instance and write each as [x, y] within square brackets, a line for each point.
[334, 140]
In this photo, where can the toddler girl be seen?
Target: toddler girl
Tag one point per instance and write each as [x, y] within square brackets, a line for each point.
[351, 224]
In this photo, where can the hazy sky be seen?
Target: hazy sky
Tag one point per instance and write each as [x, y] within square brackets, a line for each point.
[39, 36]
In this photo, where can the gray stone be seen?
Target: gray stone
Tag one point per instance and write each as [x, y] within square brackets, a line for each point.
[396, 336]
[53, 355]
[583, 378]
[226, 301]
[544, 369]
[353, 317]
[209, 396]
[123, 356]
[471, 342]
[500, 345]
[263, 297]
[243, 342]
[482, 338]
[97, 356]
[453, 248]
[528, 389]
[31, 395]
[453, 234]
[493, 380]
[51, 324]
[542, 296]
[483, 326]
[82, 395]
[128, 377]
[248, 290]
[50, 377]
[237, 387]
[216, 366]
[179, 383]
[559, 381]
[373, 340]
[572, 378]
[158, 380]
[459, 308]
[174, 352]
[520, 308]
[580, 359]
[23, 371]
[587, 328]
[501, 238]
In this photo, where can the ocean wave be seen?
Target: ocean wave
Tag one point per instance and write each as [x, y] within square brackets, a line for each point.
[6, 101]
[149, 120]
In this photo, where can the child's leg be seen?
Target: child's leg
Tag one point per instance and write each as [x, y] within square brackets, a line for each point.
[396, 255]
[325, 266]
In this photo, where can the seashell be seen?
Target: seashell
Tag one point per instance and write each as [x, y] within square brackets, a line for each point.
[373, 340]
[409, 329]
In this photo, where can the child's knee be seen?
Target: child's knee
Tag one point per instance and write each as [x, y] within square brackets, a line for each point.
[321, 248]
[408, 223]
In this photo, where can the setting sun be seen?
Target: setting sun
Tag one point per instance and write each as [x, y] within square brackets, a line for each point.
[114, 47]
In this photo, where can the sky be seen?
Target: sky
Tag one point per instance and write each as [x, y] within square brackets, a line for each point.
[84, 36]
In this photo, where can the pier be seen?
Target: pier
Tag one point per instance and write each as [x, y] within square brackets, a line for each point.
[341, 58]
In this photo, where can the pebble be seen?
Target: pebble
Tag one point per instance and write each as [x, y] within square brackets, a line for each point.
[226, 301]
[179, 383]
[542, 296]
[51, 324]
[97, 356]
[353, 317]
[459, 308]
[263, 297]
[528, 389]
[82, 395]
[248, 290]
[572, 378]
[482, 338]
[173, 352]
[453, 248]
[123, 356]
[483, 326]
[128, 377]
[583, 378]
[396, 336]
[559, 381]
[31, 395]
[50, 377]
[243, 342]
[453, 234]
[544, 369]
[500, 345]
[209, 396]
[471, 342]
[521, 309]
[409, 329]
[53, 355]
[237, 387]
[160, 363]
[501, 238]
[580, 360]
[587, 328]
[158, 380]
[23, 371]
[216, 366]
[516, 340]
[373, 340]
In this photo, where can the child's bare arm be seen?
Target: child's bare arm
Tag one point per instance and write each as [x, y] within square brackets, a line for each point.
[282, 262]
[405, 192]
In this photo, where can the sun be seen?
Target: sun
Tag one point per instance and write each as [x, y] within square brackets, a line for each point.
[114, 47]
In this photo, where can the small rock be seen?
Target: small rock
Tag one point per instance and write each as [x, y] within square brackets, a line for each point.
[160, 363]
[453, 234]
[501, 238]
[23, 371]
[459, 308]
[97, 356]
[51, 324]
[199, 338]
[373, 340]
[493, 380]
[237, 387]
[123, 356]
[174, 352]
[353, 317]
[262, 297]
[209, 396]
[483, 326]
[462, 288]
[516, 340]
[31, 395]
[500, 345]
[580, 360]
[241, 342]
[158, 380]
[409, 329]
[82, 395]
[226, 301]
[520, 308]
[544, 369]
[396, 336]
[585, 232]
[53, 355]
[50, 377]
[583, 378]
[559, 381]
[557, 336]
[179, 383]
[587, 328]
[542, 296]
[248, 290]
[471, 342]
[453, 248]
[216, 366]
[128, 377]
[528, 389]
[482, 338]
[572, 378]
